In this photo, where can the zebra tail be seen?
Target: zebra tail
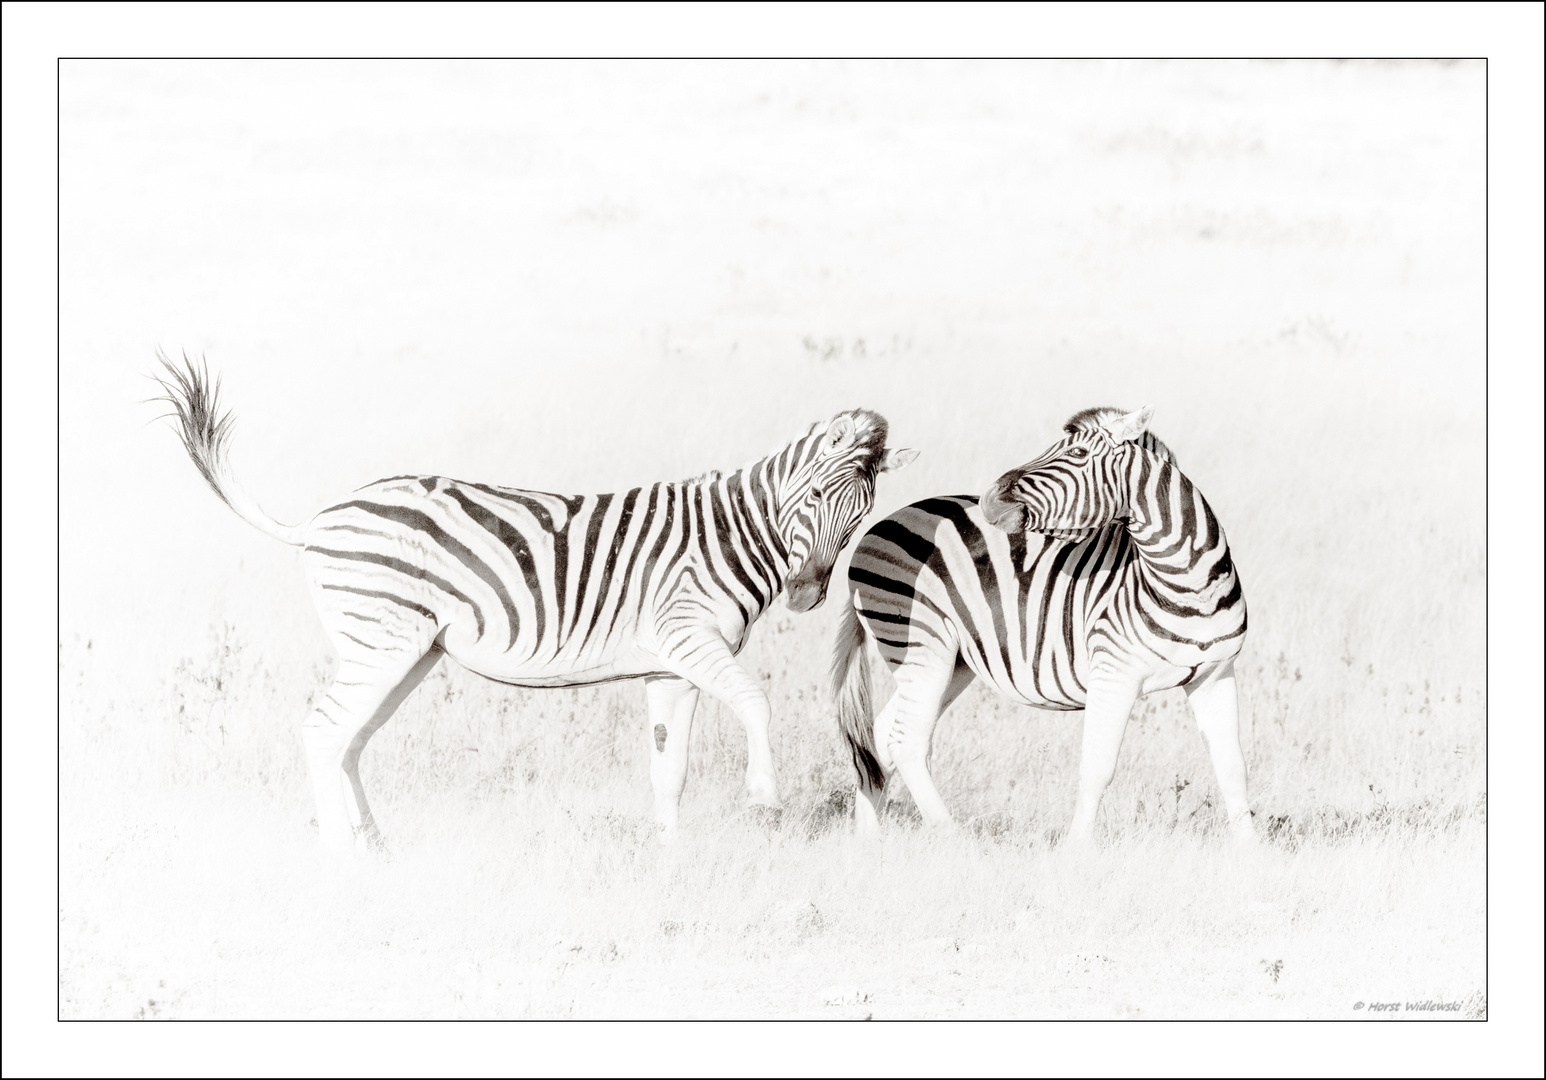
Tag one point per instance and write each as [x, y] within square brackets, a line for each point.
[205, 433]
[851, 689]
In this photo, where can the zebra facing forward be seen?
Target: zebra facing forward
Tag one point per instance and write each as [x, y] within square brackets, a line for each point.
[1089, 577]
[531, 589]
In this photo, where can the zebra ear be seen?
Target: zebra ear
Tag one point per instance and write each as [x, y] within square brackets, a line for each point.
[840, 433]
[1129, 426]
[892, 460]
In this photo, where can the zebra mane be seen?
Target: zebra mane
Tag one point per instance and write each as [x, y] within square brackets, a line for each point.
[870, 431]
[1093, 418]
[869, 446]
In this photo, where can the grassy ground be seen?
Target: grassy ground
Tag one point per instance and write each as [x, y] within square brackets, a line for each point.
[585, 282]
[522, 877]
[515, 907]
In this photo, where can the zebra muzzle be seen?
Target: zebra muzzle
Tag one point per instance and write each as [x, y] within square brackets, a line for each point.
[1009, 516]
[807, 595]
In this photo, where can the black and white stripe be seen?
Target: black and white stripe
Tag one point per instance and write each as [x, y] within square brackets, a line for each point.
[1093, 575]
[533, 589]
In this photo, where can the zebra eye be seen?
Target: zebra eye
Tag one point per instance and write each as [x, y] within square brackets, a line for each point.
[1078, 453]
[816, 493]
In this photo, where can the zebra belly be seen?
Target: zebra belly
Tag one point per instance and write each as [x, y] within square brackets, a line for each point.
[539, 679]
[564, 667]
[1064, 692]
[1071, 691]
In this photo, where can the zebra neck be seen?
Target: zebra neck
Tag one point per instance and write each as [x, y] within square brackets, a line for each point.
[751, 500]
[1182, 552]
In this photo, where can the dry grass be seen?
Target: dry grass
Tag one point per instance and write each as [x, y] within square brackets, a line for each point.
[523, 879]
[515, 906]
[976, 252]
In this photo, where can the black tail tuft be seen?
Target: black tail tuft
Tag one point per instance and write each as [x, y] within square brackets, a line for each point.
[195, 402]
[205, 432]
[851, 690]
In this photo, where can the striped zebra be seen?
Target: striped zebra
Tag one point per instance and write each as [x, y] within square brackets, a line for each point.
[1089, 577]
[530, 589]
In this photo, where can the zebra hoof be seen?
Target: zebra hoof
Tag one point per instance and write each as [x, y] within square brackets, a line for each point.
[866, 820]
[1076, 843]
[761, 791]
[1243, 836]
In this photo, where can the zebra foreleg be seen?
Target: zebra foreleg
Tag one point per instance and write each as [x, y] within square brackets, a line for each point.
[707, 662]
[671, 705]
[1216, 707]
[1110, 702]
[366, 691]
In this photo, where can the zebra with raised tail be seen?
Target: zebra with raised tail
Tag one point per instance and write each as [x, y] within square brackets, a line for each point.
[1089, 577]
[532, 589]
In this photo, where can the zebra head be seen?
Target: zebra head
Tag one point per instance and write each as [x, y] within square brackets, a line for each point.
[1080, 484]
[828, 491]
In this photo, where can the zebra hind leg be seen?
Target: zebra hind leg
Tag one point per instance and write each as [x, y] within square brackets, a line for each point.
[366, 690]
[924, 690]
[1216, 707]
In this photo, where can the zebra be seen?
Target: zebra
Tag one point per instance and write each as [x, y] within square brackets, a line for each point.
[660, 583]
[1093, 575]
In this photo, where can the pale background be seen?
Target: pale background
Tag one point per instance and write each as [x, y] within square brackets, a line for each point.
[580, 277]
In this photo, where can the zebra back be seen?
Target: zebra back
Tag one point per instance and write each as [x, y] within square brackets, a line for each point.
[557, 581]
